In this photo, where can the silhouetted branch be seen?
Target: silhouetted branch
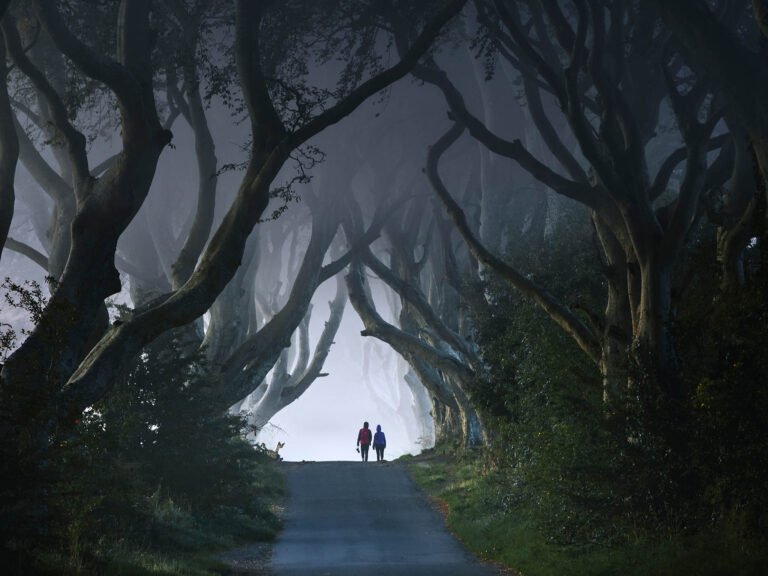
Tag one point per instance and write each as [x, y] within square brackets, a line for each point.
[583, 336]
[26, 250]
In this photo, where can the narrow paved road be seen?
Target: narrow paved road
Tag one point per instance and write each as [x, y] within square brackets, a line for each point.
[350, 518]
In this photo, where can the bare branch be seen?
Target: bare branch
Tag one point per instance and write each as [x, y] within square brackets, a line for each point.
[26, 250]
[404, 343]
[513, 150]
[673, 160]
[526, 49]
[93, 64]
[9, 149]
[297, 386]
[48, 179]
[564, 317]
[29, 113]
[416, 298]
[367, 89]
[74, 140]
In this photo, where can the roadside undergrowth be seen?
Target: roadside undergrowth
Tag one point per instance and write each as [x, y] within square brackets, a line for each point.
[153, 481]
[512, 535]
[155, 535]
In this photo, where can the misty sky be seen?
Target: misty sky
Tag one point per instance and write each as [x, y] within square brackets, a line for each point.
[323, 423]
[375, 140]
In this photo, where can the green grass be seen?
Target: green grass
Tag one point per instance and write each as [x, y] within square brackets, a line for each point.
[181, 546]
[171, 541]
[140, 563]
[511, 537]
[129, 559]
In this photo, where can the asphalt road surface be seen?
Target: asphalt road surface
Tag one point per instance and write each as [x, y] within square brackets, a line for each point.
[364, 519]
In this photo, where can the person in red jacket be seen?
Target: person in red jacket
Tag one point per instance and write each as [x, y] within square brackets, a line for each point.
[364, 438]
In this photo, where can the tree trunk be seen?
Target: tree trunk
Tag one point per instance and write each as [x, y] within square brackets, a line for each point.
[736, 221]
[207, 175]
[472, 431]
[760, 146]
[232, 312]
[652, 347]
[616, 329]
[260, 413]
[447, 423]
[9, 153]
[422, 410]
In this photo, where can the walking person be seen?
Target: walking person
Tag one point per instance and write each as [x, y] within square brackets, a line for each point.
[379, 443]
[364, 441]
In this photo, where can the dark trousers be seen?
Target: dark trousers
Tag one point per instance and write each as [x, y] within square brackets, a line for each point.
[379, 452]
[364, 452]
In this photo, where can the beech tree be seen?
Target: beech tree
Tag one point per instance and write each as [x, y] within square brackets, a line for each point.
[423, 333]
[433, 283]
[710, 44]
[289, 382]
[569, 58]
[57, 372]
[244, 306]
[9, 147]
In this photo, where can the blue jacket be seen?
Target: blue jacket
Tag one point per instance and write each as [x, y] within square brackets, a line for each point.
[379, 439]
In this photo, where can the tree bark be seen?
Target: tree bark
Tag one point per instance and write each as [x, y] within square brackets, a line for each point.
[711, 49]
[9, 150]
[616, 327]
[105, 207]
[283, 391]
[652, 346]
[422, 411]
[272, 147]
[190, 103]
[642, 244]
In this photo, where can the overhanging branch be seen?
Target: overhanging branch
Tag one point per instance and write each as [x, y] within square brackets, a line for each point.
[26, 250]
[564, 317]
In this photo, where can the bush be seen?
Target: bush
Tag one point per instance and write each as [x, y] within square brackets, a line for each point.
[692, 466]
[722, 346]
[156, 466]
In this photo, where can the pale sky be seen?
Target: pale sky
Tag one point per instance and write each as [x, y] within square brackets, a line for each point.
[323, 423]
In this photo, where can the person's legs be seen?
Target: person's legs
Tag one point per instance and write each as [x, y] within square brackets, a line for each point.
[364, 452]
[379, 453]
[382, 453]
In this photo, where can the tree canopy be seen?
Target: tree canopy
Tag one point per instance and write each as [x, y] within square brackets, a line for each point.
[485, 183]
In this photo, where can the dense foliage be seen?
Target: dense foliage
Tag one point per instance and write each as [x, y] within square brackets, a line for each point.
[151, 471]
[722, 338]
[655, 470]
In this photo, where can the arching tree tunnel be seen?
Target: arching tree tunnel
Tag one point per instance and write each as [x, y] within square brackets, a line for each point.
[365, 382]
[310, 214]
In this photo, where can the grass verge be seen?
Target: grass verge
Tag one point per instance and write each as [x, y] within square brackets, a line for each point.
[167, 539]
[510, 536]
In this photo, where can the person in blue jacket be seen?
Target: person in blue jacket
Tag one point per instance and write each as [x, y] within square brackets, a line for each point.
[379, 443]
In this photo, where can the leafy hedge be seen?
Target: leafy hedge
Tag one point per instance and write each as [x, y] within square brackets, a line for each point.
[662, 467]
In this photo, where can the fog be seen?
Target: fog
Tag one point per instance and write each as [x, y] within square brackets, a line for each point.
[364, 383]
[323, 423]
[374, 157]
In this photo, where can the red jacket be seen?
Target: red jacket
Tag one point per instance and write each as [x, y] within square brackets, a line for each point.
[364, 436]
